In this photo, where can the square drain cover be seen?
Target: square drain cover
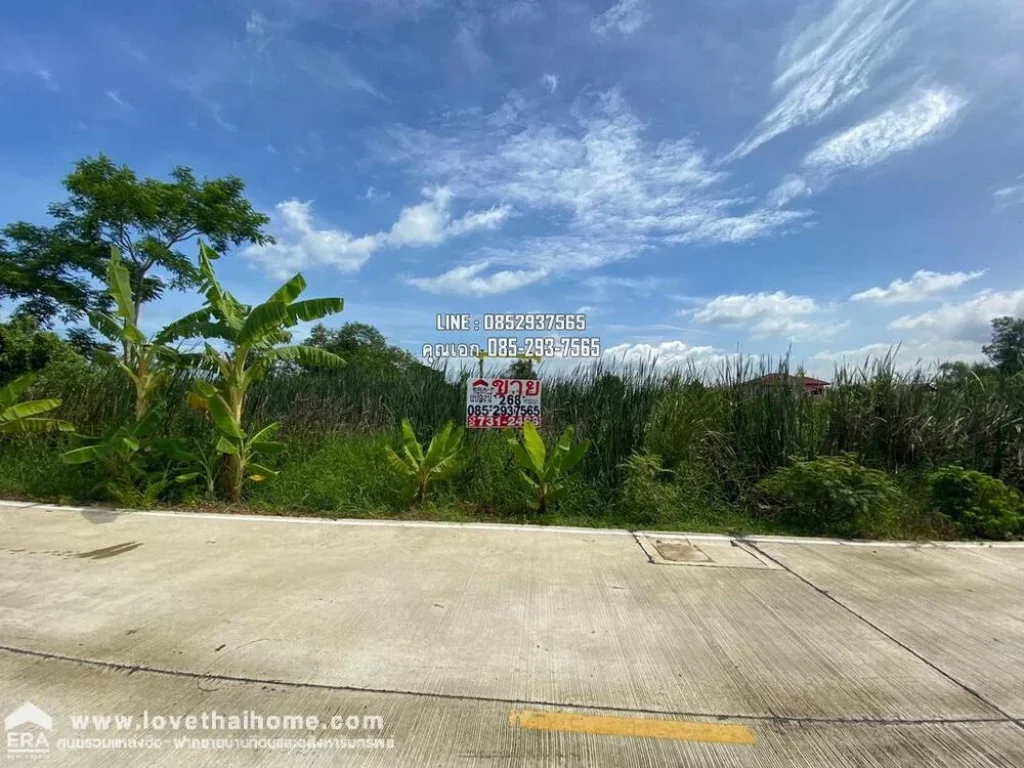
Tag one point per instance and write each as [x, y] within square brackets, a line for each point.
[707, 550]
[680, 552]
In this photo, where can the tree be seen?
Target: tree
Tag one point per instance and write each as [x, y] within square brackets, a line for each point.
[26, 348]
[957, 374]
[362, 346]
[1007, 348]
[520, 368]
[85, 343]
[49, 271]
[149, 220]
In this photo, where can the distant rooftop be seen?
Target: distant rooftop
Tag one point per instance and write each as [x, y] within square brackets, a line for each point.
[807, 381]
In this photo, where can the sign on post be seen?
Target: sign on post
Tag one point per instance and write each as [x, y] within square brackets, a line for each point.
[502, 403]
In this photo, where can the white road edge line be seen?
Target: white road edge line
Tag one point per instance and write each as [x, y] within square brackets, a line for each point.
[709, 537]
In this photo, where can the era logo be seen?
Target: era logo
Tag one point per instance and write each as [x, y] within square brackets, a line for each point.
[24, 731]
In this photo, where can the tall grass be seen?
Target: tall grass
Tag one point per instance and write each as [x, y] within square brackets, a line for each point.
[719, 434]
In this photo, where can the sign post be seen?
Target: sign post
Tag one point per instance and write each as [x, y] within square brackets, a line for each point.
[502, 403]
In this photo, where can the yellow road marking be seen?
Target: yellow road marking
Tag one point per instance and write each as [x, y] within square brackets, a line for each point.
[602, 725]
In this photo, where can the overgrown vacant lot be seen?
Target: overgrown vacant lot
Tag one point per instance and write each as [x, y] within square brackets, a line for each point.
[669, 451]
[251, 406]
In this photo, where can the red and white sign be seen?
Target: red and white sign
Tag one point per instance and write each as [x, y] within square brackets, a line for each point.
[502, 403]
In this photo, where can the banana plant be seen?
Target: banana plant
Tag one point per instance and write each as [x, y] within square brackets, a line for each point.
[125, 441]
[125, 455]
[232, 442]
[252, 339]
[24, 416]
[202, 454]
[129, 454]
[546, 474]
[147, 362]
[442, 459]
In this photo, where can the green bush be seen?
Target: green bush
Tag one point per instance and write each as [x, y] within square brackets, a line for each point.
[978, 504]
[833, 494]
[648, 492]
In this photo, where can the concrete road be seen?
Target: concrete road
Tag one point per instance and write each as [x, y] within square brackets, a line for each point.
[184, 639]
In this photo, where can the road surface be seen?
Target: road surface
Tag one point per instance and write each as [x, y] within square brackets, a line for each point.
[167, 639]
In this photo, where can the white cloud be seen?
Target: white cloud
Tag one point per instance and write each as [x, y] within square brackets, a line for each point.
[878, 349]
[739, 310]
[795, 330]
[969, 320]
[734, 229]
[256, 27]
[430, 222]
[828, 64]
[916, 120]
[790, 188]
[517, 10]
[301, 244]
[513, 105]
[767, 315]
[617, 193]
[919, 287]
[115, 97]
[907, 356]
[667, 354]
[625, 16]
[47, 77]
[1012, 194]
[467, 43]
[467, 280]
[602, 285]
[372, 193]
[549, 81]
[898, 129]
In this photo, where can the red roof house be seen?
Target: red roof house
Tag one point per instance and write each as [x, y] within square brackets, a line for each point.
[811, 385]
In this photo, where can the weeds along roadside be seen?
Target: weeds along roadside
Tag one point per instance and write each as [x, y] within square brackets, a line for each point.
[715, 440]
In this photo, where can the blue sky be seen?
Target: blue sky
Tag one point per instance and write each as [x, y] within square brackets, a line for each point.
[703, 178]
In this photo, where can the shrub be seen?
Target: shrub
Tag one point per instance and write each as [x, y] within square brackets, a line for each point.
[647, 496]
[978, 504]
[833, 494]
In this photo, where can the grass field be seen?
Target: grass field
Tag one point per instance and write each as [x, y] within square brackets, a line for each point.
[713, 440]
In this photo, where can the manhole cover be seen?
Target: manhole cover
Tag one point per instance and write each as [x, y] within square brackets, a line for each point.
[680, 552]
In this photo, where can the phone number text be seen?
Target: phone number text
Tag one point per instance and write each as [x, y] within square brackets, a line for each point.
[535, 321]
[544, 346]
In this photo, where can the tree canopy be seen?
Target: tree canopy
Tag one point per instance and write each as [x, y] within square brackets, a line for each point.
[521, 368]
[362, 346]
[47, 271]
[1007, 348]
[26, 348]
[52, 269]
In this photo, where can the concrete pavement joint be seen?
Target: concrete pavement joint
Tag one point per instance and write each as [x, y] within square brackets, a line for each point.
[131, 669]
[828, 595]
[636, 538]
